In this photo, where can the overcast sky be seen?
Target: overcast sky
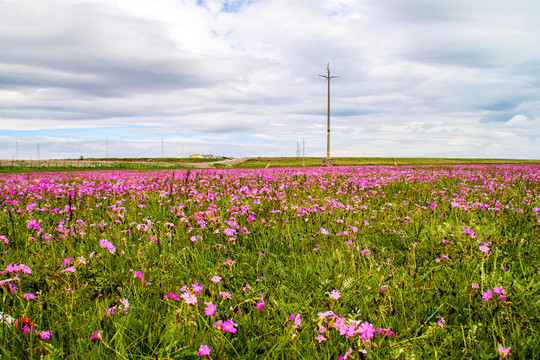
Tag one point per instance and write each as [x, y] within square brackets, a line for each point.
[429, 78]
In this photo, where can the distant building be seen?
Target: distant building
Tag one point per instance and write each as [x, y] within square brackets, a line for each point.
[194, 156]
[207, 156]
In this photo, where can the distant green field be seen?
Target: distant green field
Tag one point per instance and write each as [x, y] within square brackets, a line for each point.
[253, 163]
[366, 161]
[159, 160]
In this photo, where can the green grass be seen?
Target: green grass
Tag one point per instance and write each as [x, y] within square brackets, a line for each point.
[262, 162]
[171, 226]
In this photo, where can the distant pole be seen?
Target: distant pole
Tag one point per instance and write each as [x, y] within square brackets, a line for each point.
[38, 154]
[303, 152]
[328, 78]
[16, 149]
[162, 148]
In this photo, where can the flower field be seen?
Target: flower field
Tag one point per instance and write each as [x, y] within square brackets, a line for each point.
[292, 263]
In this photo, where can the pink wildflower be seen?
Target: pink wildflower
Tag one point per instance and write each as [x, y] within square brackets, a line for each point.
[320, 338]
[365, 330]
[96, 335]
[225, 294]
[210, 309]
[321, 330]
[441, 322]
[260, 305]
[485, 249]
[296, 319]
[69, 269]
[215, 279]
[324, 315]
[171, 295]
[45, 335]
[190, 299]
[125, 303]
[334, 294]
[229, 326]
[503, 351]
[204, 350]
[107, 245]
[487, 295]
[197, 288]
[29, 296]
[349, 352]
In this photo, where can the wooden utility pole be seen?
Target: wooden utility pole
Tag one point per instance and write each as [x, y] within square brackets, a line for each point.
[328, 161]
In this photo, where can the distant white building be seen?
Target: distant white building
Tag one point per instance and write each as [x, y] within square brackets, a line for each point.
[201, 156]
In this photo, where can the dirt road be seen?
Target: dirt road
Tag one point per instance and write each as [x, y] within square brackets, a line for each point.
[210, 165]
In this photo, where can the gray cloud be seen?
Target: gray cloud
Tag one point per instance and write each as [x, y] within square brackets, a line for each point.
[417, 78]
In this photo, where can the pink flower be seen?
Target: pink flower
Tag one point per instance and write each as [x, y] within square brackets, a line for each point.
[387, 332]
[197, 288]
[171, 295]
[475, 285]
[225, 294]
[324, 315]
[210, 309]
[204, 350]
[349, 352]
[66, 261]
[96, 335]
[296, 319]
[383, 288]
[45, 335]
[484, 248]
[320, 338]
[218, 324]
[260, 305]
[365, 330]
[229, 326]
[69, 269]
[498, 290]
[321, 330]
[125, 303]
[107, 245]
[324, 231]
[334, 294]
[29, 296]
[503, 351]
[190, 299]
[487, 295]
[215, 279]
[441, 322]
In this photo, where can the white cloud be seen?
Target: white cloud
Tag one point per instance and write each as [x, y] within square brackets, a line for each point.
[417, 78]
